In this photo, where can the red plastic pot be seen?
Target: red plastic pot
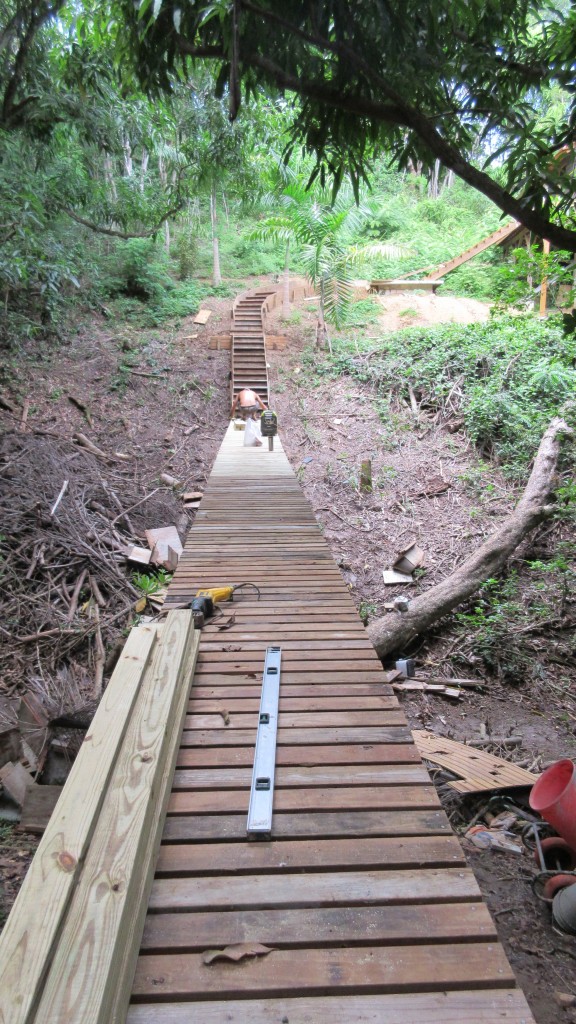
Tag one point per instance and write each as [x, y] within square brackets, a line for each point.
[557, 882]
[554, 797]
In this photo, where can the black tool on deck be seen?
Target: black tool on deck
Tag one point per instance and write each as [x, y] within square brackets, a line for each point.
[269, 427]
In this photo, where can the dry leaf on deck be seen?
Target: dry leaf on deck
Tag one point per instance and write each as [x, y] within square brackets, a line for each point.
[239, 951]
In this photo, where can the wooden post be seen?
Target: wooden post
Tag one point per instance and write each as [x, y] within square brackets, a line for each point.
[366, 476]
[544, 284]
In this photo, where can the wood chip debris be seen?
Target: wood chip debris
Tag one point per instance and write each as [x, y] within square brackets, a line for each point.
[479, 770]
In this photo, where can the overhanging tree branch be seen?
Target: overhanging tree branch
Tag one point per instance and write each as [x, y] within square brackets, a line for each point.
[392, 109]
[116, 233]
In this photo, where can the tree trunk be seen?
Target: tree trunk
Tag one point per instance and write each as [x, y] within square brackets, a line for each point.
[322, 336]
[167, 236]
[128, 165]
[434, 180]
[448, 180]
[286, 296]
[397, 629]
[216, 275]
[144, 168]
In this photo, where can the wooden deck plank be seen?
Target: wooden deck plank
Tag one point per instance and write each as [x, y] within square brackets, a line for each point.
[304, 825]
[29, 937]
[324, 775]
[290, 928]
[487, 1006]
[350, 888]
[338, 798]
[320, 971]
[314, 854]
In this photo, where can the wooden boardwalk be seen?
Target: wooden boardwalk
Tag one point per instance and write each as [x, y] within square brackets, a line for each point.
[363, 896]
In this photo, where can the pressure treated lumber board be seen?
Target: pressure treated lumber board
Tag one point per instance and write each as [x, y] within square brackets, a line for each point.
[28, 940]
[363, 894]
[481, 770]
[117, 874]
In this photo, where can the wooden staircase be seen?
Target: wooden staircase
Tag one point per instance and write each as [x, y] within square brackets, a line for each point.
[249, 368]
[503, 234]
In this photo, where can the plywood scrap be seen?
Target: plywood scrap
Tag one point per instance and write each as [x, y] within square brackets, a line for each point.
[162, 541]
[140, 555]
[15, 780]
[391, 578]
[409, 559]
[202, 316]
[479, 770]
[193, 495]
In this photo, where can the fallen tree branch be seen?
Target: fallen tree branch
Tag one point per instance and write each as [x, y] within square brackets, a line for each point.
[397, 629]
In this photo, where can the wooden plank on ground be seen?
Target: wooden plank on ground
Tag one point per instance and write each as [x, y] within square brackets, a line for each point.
[117, 874]
[202, 316]
[480, 770]
[29, 936]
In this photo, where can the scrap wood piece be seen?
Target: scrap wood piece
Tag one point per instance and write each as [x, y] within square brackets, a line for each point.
[89, 445]
[409, 559]
[162, 541]
[16, 780]
[418, 685]
[140, 555]
[82, 407]
[391, 578]
[202, 316]
[480, 771]
[37, 809]
[430, 488]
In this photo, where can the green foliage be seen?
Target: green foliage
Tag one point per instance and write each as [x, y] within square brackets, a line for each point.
[506, 611]
[184, 250]
[519, 279]
[137, 269]
[151, 583]
[507, 377]
[446, 83]
[362, 313]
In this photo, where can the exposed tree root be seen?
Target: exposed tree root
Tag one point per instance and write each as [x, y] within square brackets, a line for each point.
[397, 629]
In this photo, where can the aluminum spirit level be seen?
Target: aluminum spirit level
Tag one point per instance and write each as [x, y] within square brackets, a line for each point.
[259, 824]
